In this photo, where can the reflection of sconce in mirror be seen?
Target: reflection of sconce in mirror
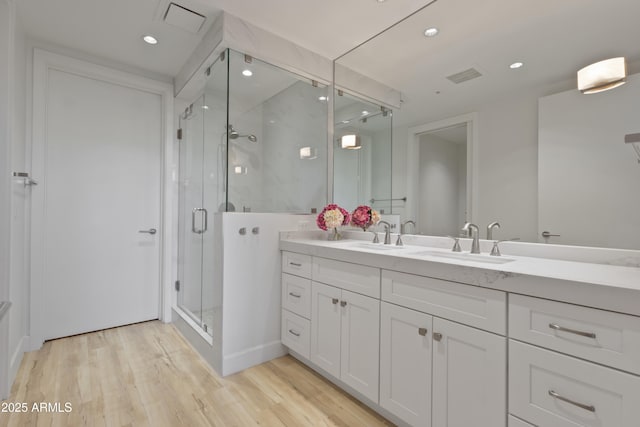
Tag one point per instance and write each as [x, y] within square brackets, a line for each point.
[603, 75]
[240, 170]
[308, 153]
[350, 142]
[634, 140]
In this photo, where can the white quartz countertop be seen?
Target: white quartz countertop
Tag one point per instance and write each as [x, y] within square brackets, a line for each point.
[604, 286]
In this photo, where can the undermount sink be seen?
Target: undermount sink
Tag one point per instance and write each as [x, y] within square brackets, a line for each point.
[376, 246]
[466, 257]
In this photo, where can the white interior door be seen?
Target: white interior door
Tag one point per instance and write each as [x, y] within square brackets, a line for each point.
[97, 150]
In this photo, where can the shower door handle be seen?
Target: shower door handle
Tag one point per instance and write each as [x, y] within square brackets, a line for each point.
[193, 220]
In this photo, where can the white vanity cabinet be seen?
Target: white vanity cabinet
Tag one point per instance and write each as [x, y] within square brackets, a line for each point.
[553, 380]
[345, 336]
[436, 370]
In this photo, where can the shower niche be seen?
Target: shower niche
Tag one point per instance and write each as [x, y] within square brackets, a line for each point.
[252, 145]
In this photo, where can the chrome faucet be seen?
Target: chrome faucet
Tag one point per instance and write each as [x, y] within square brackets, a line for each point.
[402, 228]
[387, 232]
[490, 227]
[473, 232]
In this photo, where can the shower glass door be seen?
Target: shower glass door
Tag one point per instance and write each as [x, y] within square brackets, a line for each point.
[192, 216]
[202, 193]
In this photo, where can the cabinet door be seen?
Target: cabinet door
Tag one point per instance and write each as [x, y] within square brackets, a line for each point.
[360, 348]
[325, 327]
[405, 363]
[469, 376]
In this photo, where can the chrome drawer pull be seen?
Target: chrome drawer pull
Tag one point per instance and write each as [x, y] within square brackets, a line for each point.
[572, 331]
[437, 336]
[589, 408]
[343, 303]
[294, 295]
[334, 300]
[295, 264]
[422, 331]
[292, 332]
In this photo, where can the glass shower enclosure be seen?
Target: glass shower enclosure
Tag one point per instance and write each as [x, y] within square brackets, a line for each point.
[255, 140]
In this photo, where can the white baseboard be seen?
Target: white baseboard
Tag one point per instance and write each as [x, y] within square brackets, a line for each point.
[239, 361]
[16, 359]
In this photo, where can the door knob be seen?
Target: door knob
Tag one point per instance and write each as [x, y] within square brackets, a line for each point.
[149, 231]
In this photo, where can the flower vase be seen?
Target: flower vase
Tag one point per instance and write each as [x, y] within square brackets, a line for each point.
[335, 235]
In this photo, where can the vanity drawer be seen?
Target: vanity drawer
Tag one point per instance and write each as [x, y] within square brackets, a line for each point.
[479, 307]
[295, 333]
[605, 337]
[356, 278]
[296, 295]
[297, 264]
[551, 389]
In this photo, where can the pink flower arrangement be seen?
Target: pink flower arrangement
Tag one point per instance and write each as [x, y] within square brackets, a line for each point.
[364, 217]
[332, 216]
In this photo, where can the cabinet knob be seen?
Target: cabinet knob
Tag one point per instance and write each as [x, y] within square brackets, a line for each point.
[334, 300]
[422, 331]
[343, 303]
[437, 336]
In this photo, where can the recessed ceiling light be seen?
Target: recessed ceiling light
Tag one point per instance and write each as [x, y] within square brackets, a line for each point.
[365, 112]
[150, 39]
[431, 32]
[247, 73]
[322, 98]
[381, 1]
[516, 65]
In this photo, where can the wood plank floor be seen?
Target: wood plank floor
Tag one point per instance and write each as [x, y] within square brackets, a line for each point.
[147, 375]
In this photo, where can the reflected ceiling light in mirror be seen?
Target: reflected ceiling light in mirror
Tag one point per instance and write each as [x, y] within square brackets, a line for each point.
[516, 65]
[365, 112]
[247, 73]
[150, 40]
[603, 75]
[350, 142]
[431, 32]
[346, 122]
[205, 107]
[322, 98]
[308, 153]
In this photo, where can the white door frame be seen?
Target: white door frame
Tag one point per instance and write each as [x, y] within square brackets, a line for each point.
[43, 61]
[413, 162]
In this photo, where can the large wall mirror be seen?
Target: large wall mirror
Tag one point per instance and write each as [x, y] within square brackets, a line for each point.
[492, 126]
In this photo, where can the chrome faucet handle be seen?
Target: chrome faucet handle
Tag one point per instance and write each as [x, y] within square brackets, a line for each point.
[399, 241]
[456, 244]
[495, 251]
[387, 232]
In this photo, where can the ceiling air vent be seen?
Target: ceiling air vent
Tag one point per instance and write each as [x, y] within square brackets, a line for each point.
[464, 76]
[181, 17]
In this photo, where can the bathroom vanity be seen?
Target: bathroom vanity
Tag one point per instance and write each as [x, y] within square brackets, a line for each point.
[428, 337]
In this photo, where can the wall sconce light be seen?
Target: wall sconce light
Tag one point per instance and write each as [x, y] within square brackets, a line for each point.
[308, 153]
[350, 142]
[603, 75]
[634, 140]
[240, 170]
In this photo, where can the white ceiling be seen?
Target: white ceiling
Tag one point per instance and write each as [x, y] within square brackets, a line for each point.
[553, 38]
[112, 29]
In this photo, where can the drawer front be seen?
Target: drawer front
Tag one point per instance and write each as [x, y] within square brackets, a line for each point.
[482, 308]
[297, 264]
[551, 389]
[612, 339]
[356, 278]
[296, 333]
[517, 422]
[296, 295]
